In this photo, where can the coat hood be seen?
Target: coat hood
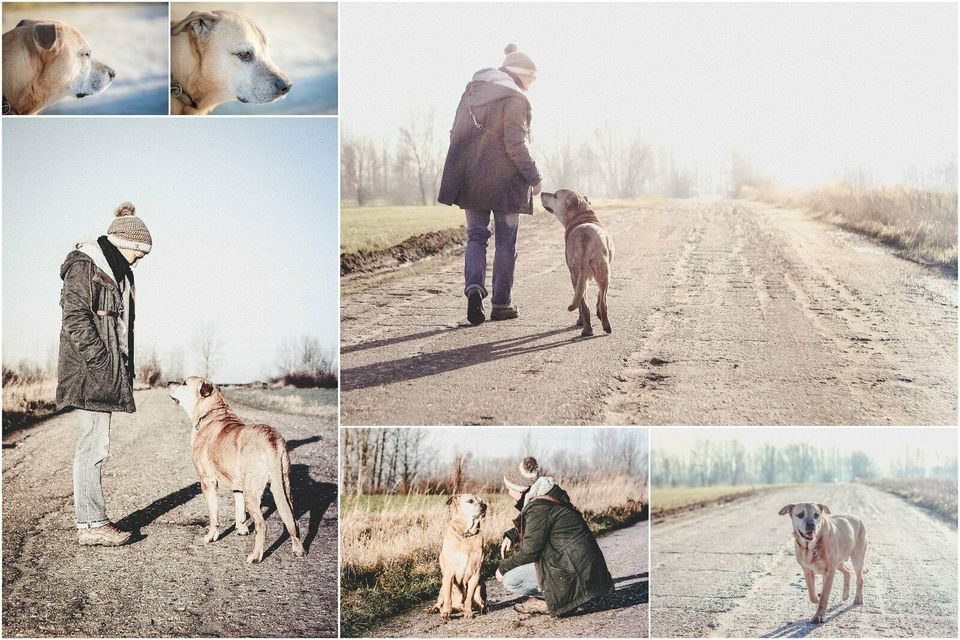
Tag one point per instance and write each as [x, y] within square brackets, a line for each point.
[491, 85]
[87, 251]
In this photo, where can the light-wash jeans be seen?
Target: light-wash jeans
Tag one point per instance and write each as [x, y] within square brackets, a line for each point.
[522, 581]
[93, 442]
[475, 259]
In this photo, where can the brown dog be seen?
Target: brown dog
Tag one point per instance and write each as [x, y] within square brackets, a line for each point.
[245, 457]
[589, 252]
[822, 543]
[45, 61]
[461, 558]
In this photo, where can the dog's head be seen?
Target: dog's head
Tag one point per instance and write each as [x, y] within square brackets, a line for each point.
[466, 512]
[235, 56]
[57, 61]
[806, 518]
[564, 204]
[195, 395]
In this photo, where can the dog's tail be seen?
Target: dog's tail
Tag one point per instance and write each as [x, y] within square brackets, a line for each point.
[579, 289]
[280, 484]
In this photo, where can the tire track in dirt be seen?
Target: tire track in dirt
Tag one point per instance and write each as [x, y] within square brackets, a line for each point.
[169, 583]
[729, 571]
[622, 614]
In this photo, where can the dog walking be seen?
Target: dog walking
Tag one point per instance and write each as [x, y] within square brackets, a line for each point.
[95, 367]
[489, 169]
[556, 560]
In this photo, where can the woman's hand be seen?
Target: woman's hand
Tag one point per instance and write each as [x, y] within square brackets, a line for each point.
[536, 188]
[499, 576]
[505, 546]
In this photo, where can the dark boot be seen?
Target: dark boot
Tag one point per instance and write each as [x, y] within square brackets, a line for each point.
[475, 308]
[504, 313]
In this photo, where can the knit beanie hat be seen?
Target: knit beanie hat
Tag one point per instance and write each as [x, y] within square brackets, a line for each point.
[127, 231]
[521, 477]
[518, 62]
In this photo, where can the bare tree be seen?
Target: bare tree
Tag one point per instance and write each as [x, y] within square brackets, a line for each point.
[208, 348]
[418, 142]
[356, 158]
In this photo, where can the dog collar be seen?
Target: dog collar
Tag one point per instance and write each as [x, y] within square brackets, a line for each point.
[196, 425]
[176, 90]
[8, 109]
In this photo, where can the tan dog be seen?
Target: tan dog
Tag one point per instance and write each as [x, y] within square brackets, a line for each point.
[217, 56]
[822, 543]
[44, 61]
[461, 558]
[589, 252]
[244, 457]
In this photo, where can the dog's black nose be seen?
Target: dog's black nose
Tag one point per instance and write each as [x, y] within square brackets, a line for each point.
[282, 84]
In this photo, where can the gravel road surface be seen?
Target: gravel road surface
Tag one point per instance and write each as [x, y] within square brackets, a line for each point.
[730, 571]
[723, 312]
[168, 583]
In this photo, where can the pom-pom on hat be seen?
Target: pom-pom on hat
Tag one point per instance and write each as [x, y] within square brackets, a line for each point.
[127, 231]
[518, 62]
[521, 477]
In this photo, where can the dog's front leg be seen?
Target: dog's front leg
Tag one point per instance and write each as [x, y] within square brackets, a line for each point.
[846, 580]
[240, 513]
[468, 599]
[809, 578]
[446, 595]
[209, 488]
[824, 596]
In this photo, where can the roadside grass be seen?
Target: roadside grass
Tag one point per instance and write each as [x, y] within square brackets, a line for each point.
[920, 225]
[309, 402]
[668, 501]
[373, 228]
[27, 399]
[938, 495]
[389, 544]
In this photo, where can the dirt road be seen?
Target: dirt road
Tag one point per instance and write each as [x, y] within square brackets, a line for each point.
[729, 571]
[723, 312]
[622, 614]
[169, 583]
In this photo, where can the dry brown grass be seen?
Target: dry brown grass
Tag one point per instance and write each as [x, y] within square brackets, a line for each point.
[389, 544]
[938, 495]
[24, 401]
[921, 225]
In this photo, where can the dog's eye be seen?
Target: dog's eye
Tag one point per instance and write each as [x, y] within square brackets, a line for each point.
[246, 56]
[816, 515]
[800, 515]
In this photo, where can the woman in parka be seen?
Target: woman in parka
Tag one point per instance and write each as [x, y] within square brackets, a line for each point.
[95, 367]
[489, 169]
[556, 561]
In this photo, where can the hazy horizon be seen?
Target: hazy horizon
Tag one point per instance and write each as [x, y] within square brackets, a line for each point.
[807, 92]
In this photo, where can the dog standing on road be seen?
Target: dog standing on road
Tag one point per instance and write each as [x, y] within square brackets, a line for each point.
[822, 543]
[461, 558]
[245, 457]
[45, 61]
[218, 56]
[589, 252]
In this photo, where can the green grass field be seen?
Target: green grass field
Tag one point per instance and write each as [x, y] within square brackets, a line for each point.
[664, 500]
[371, 228]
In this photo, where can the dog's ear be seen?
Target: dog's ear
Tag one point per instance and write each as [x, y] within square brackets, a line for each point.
[451, 500]
[787, 509]
[824, 508]
[201, 22]
[574, 202]
[45, 36]
[206, 388]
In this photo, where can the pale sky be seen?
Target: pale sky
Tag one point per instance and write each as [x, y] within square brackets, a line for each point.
[493, 442]
[804, 90]
[243, 214]
[882, 444]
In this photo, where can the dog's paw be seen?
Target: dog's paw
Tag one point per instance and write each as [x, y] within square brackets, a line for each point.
[468, 614]
[817, 619]
[210, 537]
[298, 549]
[608, 328]
[587, 331]
[580, 322]
[445, 615]
[858, 600]
[253, 558]
[572, 307]
[243, 529]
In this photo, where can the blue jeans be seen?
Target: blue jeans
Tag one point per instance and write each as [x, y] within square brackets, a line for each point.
[475, 259]
[522, 581]
[93, 442]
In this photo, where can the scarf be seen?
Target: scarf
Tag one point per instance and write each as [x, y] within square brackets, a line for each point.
[118, 264]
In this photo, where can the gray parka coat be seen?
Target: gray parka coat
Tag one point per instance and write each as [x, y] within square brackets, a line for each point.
[92, 373]
[488, 165]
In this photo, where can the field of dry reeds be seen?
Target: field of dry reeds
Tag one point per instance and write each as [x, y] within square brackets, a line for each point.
[938, 495]
[29, 393]
[920, 224]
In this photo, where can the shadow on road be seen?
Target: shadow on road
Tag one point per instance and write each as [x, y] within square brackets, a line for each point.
[386, 342]
[634, 593]
[427, 364]
[803, 628]
[309, 497]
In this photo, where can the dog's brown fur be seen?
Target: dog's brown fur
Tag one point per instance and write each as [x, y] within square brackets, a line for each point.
[588, 250]
[461, 558]
[244, 457]
[822, 544]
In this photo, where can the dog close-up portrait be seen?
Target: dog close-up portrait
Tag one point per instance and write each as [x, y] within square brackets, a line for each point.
[461, 558]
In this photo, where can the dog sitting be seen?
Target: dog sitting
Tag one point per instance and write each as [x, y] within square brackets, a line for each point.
[244, 457]
[822, 543]
[461, 558]
[44, 61]
[589, 252]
